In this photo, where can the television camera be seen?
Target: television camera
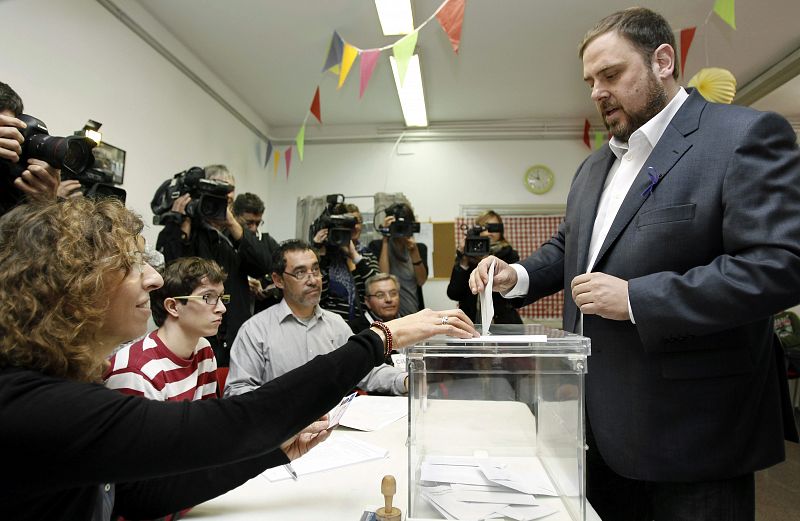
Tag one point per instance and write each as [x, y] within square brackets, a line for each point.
[474, 244]
[403, 224]
[209, 196]
[340, 226]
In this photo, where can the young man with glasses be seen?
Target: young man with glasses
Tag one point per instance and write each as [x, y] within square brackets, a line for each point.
[297, 329]
[175, 362]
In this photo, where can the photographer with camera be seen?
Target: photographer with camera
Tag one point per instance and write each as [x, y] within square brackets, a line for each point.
[485, 238]
[399, 254]
[344, 269]
[37, 178]
[249, 211]
[195, 209]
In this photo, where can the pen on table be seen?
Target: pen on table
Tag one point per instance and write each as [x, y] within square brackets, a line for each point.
[291, 471]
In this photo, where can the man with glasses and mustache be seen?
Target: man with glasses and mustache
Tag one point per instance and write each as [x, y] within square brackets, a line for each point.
[291, 333]
[175, 362]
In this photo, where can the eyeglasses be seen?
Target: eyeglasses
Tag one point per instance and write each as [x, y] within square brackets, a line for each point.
[210, 298]
[382, 294]
[305, 274]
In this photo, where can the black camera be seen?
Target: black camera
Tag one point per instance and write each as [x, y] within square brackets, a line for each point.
[340, 226]
[71, 154]
[477, 246]
[209, 197]
[403, 224]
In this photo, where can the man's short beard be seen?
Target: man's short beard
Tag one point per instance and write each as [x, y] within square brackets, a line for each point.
[656, 101]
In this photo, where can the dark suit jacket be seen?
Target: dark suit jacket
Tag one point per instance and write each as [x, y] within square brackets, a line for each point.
[693, 390]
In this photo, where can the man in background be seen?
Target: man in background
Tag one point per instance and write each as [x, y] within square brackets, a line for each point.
[289, 334]
[39, 179]
[233, 247]
[248, 209]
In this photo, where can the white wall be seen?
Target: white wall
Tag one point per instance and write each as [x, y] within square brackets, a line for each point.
[71, 61]
[437, 177]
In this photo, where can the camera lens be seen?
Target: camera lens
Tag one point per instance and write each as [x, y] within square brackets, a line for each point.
[72, 154]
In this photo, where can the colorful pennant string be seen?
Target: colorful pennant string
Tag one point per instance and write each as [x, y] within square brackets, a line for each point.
[269, 152]
[369, 59]
[315, 106]
[342, 55]
[451, 18]
[726, 10]
[687, 35]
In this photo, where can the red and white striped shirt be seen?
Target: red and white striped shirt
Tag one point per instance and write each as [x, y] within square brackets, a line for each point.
[148, 368]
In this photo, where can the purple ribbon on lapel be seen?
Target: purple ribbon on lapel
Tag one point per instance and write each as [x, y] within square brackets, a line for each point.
[654, 180]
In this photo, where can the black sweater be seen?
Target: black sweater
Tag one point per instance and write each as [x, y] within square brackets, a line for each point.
[63, 439]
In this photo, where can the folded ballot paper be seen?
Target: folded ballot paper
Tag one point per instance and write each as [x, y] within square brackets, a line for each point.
[486, 488]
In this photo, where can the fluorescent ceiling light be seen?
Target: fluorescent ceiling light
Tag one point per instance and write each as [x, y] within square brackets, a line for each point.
[412, 100]
[395, 16]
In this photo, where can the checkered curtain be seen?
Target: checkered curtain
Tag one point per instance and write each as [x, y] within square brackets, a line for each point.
[525, 234]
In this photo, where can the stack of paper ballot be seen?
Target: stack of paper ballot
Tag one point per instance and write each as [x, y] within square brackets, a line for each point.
[469, 488]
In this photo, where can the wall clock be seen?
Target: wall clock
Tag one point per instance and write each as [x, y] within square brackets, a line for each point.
[539, 179]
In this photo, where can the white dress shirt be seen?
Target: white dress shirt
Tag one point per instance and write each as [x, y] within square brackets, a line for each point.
[631, 156]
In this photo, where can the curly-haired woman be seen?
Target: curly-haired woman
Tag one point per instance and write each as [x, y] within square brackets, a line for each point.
[73, 285]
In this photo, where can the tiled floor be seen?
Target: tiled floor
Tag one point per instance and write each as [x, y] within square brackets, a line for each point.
[778, 489]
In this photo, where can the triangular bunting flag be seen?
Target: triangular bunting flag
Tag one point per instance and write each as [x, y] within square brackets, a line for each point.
[403, 50]
[275, 163]
[268, 155]
[451, 17]
[687, 35]
[727, 11]
[300, 139]
[368, 60]
[599, 139]
[349, 55]
[586, 127]
[288, 155]
[334, 52]
[315, 109]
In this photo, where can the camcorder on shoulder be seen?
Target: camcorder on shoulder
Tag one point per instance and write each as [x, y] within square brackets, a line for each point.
[209, 196]
[474, 244]
[340, 226]
[76, 157]
[403, 224]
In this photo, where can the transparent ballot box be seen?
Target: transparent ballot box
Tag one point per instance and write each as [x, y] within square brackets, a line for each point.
[496, 427]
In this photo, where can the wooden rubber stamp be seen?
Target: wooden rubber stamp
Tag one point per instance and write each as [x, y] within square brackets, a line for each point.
[387, 512]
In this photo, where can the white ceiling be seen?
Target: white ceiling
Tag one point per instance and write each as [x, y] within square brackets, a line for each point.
[518, 58]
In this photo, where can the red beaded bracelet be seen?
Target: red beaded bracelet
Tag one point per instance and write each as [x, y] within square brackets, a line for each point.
[389, 344]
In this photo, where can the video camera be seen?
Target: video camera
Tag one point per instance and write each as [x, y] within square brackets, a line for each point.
[474, 244]
[403, 224]
[209, 196]
[340, 227]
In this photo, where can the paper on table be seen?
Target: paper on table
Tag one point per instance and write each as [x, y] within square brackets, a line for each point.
[445, 502]
[370, 413]
[487, 304]
[527, 513]
[453, 474]
[532, 480]
[338, 451]
[337, 412]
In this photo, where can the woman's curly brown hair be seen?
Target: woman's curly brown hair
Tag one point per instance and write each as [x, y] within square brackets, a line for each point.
[59, 263]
